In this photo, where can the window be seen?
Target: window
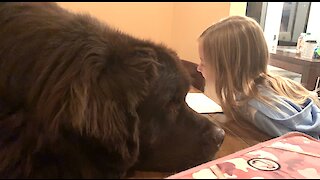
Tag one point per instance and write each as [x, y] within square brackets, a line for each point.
[294, 19]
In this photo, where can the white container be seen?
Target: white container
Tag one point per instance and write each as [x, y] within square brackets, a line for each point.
[299, 43]
[308, 49]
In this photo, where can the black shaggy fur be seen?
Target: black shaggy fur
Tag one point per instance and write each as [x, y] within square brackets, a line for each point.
[81, 99]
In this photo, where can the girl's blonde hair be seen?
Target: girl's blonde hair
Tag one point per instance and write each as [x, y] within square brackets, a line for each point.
[236, 52]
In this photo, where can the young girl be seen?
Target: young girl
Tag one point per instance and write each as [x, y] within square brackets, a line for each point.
[234, 58]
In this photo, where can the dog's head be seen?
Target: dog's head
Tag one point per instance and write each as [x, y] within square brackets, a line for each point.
[172, 135]
[83, 99]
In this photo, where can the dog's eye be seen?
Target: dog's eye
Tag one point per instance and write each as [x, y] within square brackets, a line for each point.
[174, 104]
[173, 108]
[173, 101]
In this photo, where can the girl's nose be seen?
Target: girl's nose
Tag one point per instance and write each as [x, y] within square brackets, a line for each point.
[199, 68]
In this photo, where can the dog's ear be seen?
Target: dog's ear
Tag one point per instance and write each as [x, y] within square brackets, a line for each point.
[96, 93]
[112, 89]
[104, 99]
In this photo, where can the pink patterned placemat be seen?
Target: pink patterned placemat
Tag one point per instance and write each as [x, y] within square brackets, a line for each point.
[293, 155]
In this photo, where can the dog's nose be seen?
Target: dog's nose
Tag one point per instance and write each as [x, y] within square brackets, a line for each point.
[214, 134]
[219, 135]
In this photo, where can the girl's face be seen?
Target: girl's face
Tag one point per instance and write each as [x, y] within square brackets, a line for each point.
[202, 68]
[207, 73]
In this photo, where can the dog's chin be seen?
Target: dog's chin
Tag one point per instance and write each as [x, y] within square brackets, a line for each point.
[166, 161]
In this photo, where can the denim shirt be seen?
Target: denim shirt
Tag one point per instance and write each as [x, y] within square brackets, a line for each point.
[291, 117]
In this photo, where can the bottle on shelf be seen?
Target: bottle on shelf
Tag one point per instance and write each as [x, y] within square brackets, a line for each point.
[308, 46]
[299, 43]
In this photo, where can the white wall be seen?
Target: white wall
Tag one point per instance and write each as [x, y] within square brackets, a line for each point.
[314, 22]
[147, 20]
[238, 8]
[272, 24]
[189, 20]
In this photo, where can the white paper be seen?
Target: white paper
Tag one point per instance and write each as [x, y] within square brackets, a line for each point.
[201, 103]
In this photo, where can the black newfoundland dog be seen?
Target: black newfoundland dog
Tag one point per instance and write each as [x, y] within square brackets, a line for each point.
[80, 99]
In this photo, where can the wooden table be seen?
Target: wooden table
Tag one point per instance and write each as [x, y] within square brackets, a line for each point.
[308, 68]
[239, 134]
